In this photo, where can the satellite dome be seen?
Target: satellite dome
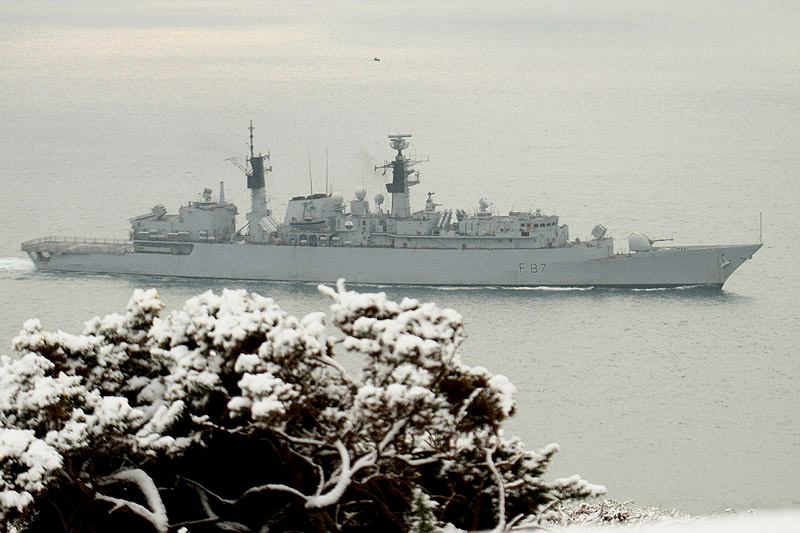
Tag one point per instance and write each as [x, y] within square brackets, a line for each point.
[361, 192]
[638, 242]
[378, 199]
[484, 203]
[337, 198]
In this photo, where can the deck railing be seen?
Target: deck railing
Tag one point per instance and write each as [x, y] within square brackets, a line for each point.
[76, 240]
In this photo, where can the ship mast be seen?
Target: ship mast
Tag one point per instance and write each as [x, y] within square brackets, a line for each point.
[401, 169]
[258, 193]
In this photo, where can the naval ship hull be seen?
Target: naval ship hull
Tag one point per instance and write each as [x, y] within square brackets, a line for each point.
[578, 266]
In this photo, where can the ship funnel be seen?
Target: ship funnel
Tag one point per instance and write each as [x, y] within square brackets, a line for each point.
[221, 199]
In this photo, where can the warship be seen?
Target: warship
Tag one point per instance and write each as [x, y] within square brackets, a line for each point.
[323, 238]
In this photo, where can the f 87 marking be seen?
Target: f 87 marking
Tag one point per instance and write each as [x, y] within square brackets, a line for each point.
[533, 268]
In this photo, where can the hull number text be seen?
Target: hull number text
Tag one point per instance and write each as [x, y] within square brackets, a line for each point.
[533, 268]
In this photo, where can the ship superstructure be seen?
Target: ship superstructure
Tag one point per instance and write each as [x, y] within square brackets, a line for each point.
[324, 237]
[327, 220]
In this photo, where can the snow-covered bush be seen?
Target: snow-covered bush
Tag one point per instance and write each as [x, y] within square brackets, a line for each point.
[611, 512]
[230, 414]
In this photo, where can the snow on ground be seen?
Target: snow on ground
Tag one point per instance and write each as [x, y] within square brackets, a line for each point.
[754, 522]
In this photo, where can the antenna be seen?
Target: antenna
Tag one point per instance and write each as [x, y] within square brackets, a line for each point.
[327, 191]
[310, 180]
[398, 141]
[761, 228]
[251, 138]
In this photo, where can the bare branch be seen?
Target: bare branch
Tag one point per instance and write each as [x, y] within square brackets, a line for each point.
[530, 527]
[300, 440]
[365, 461]
[202, 521]
[204, 502]
[516, 483]
[200, 487]
[392, 433]
[516, 519]
[278, 487]
[501, 504]
[330, 361]
[462, 411]
[418, 462]
[540, 512]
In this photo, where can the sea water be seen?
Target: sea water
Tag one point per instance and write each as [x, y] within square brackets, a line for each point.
[676, 121]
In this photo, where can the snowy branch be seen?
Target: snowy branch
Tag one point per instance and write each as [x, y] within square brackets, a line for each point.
[501, 491]
[157, 514]
[277, 487]
[342, 481]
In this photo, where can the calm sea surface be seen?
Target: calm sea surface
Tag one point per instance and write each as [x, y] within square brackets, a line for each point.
[670, 120]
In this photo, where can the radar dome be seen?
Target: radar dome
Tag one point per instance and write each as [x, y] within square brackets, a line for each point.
[484, 203]
[638, 242]
[361, 192]
[337, 198]
[378, 199]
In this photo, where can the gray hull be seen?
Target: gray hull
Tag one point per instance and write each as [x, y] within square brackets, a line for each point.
[577, 266]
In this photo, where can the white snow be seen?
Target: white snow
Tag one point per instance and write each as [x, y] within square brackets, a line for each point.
[756, 522]
[506, 391]
[157, 513]
[26, 464]
[267, 395]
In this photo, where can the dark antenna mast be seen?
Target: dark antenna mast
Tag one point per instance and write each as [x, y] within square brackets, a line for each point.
[251, 140]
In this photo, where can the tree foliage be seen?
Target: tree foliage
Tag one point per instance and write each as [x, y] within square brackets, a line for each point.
[230, 414]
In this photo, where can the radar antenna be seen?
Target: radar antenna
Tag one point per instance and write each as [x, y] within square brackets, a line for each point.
[398, 142]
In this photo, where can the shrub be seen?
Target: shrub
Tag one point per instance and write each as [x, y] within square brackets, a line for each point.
[230, 414]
